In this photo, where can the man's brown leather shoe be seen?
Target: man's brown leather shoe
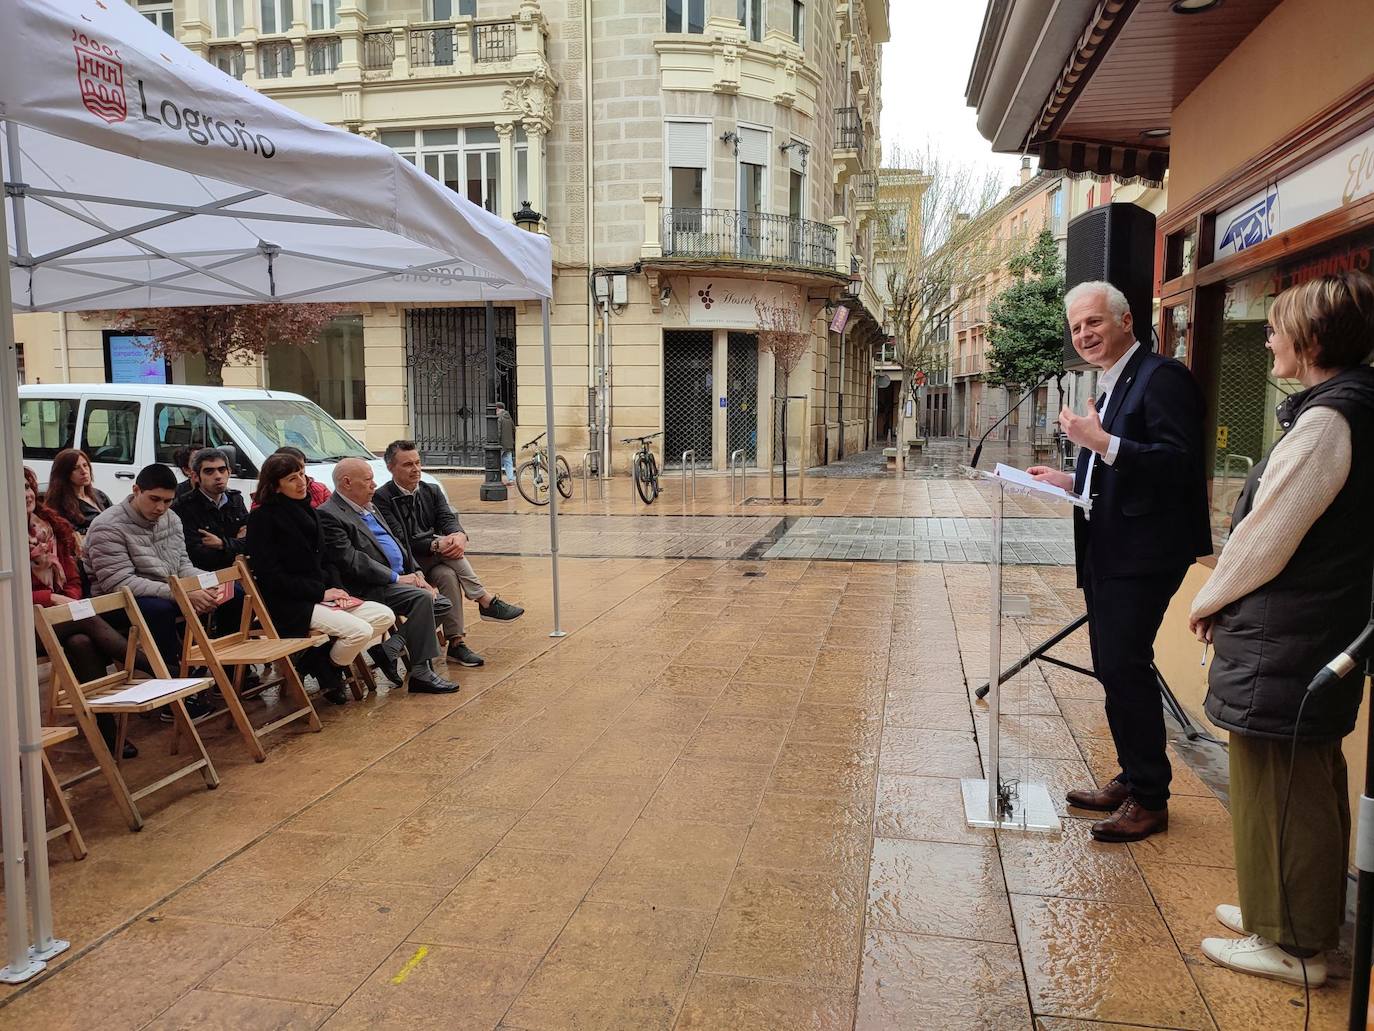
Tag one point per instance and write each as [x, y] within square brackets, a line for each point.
[1131, 822]
[1106, 799]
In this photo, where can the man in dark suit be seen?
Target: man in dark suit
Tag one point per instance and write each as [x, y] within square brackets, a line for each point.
[1140, 462]
[375, 562]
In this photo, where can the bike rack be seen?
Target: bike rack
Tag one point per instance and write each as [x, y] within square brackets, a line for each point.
[686, 455]
[737, 464]
[587, 457]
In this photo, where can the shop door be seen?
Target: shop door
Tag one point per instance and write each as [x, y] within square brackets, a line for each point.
[446, 364]
[687, 393]
[742, 396]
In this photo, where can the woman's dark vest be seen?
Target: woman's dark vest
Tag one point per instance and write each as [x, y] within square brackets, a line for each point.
[1272, 642]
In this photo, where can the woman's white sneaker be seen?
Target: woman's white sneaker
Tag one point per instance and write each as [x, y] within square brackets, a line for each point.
[1229, 917]
[1263, 958]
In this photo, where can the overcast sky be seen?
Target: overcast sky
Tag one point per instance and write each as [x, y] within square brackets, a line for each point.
[925, 70]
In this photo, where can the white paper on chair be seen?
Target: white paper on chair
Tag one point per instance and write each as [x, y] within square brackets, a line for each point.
[145, 691]
[1023, 480]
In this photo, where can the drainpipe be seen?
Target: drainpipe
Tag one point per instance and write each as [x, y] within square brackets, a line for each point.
[606, 383]
[64, 363]
[589, 198]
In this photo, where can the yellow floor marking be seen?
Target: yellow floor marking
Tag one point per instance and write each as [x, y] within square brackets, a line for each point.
[411, 964]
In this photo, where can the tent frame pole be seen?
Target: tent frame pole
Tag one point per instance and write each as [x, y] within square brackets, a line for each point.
[553, 466]
[18, 746]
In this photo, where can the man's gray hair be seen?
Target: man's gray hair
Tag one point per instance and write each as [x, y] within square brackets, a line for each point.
[1116, 300]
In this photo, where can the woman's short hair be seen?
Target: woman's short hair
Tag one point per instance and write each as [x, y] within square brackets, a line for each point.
[275, 468]
[1330, 319]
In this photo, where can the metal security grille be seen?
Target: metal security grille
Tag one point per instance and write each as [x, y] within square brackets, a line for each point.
[446, 363]
[742, 396]
[687, 396]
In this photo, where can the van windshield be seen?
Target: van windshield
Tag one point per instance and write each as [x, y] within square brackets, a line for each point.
[273, 423]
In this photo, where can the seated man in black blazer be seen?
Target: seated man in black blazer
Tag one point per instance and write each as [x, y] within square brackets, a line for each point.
[374, 562]
[439, 544]
[1141, 463]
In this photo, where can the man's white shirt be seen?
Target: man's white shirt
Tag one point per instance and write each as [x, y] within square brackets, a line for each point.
[1105, 383]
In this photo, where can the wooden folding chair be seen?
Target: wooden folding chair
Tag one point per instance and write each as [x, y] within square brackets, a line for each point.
[57, 798]
[119, 694]
[246, 646]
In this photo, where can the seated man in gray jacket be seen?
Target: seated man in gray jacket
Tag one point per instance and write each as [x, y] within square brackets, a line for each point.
[375, 563]
[138, 544]
[437, 541]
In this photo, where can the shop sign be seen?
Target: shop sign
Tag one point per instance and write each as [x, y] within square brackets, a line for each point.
[840, 320]
[716, 303]
[1342, 177]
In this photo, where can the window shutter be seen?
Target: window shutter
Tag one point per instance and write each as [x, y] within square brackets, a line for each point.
[753, 146]
[687, 147]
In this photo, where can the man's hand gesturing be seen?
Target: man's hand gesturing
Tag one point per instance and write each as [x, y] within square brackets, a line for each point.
[1085, 430]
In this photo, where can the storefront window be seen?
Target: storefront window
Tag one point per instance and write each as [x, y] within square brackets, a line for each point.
[1247, 393]
[329, 371]
[1176, 332]
[1180, 252]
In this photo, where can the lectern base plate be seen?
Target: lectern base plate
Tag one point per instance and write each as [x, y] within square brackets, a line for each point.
[1032, 809]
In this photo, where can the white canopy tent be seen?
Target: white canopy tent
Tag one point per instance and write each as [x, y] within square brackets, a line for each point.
[136, 176]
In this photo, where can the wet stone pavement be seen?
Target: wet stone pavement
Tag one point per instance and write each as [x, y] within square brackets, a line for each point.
[728, 800]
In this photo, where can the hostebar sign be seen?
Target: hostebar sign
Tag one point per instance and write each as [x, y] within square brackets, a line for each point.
[716, 303]
[1327, 184]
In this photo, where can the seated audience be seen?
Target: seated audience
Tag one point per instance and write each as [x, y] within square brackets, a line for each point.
[299, 584]
[1290, 592]
[139, 544]
[375, 563]
[90, 644]
[439, 545]
[72, 492]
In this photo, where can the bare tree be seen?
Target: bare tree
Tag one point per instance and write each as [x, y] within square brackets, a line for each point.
[937, 255]
[781, 335]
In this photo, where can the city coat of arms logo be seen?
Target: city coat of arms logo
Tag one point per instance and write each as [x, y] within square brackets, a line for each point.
[100, 73]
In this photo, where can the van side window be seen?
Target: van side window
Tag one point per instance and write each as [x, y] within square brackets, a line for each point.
[110, 432]
[48, 425]
[182, 425]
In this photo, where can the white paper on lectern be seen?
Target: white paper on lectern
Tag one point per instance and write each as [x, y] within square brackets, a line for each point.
[1025, 481]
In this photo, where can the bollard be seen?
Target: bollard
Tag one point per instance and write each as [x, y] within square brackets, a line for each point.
[737, 461]
[686, 455]
[587, 457]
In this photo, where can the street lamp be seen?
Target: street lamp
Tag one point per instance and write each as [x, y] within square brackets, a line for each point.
[527, 218]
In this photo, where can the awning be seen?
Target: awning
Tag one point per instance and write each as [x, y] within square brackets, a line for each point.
[1128, 163]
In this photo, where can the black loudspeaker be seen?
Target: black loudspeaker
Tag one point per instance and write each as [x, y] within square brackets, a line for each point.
[1116, 243]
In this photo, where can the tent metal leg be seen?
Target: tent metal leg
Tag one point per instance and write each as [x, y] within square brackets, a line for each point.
[18, 745]
[553, 467]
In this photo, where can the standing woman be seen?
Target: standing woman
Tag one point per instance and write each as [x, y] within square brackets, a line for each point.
[298, 585]
[72, 492]
[1290, 591]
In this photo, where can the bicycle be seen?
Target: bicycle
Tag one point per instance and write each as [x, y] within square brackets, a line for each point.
[645, 468]
[532, 475]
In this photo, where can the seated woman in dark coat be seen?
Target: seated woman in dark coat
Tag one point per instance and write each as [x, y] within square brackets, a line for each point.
[72, 492]
[1290, 591]
[286, 553]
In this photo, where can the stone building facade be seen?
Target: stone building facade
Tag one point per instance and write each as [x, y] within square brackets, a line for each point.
[675, 149]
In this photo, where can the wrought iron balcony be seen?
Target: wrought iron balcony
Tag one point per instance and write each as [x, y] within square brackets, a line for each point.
[722, 233]
[433, 47]
[322, 55]
[866, 189]
[276, 59]
[228, 58]
[379, 50]
[493, 42]
[849, 130]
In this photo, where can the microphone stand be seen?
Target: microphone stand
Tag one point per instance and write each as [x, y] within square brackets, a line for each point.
[978, 451]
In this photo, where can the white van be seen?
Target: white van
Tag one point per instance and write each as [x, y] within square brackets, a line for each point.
[123, 427]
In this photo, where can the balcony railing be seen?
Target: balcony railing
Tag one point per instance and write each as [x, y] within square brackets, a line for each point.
[747, 236]
[276, 59]
[322, 55]
[493, 42]
[433, 47]
[228, 59]
[866, 188]
[379, 51]
[849, 130]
